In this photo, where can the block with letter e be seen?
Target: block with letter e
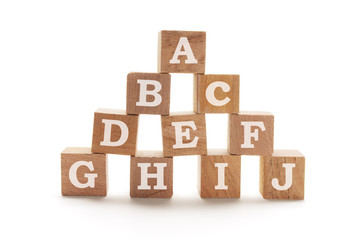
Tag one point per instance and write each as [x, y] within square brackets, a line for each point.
[114, 132]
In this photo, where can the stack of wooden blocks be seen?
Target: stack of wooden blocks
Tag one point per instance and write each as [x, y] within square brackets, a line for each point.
[84, 170]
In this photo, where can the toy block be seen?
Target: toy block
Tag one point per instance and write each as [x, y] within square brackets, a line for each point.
[282, 175]
[219, 175]
[114, 132]
[184, 134]
[216, 93]
[181, 52]
[148, 93]
[83, 173]
[151, 175]
[251, 133]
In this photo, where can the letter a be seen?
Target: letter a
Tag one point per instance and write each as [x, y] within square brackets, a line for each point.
[288, 178]
[183, 42]
[107, 133]
[144, 92]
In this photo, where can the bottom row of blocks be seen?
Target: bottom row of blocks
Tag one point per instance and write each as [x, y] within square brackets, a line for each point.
[151, 175]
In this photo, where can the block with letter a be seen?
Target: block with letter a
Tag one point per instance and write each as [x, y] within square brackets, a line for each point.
[151, 175]
[114, 132]
[251, 133]
[181, 52]
[219, 175]
[214, 93]
[148, 93]
[184, 134]
[83, 173]
[282, 175]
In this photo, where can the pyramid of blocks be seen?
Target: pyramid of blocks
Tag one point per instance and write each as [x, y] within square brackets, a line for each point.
[84, 170]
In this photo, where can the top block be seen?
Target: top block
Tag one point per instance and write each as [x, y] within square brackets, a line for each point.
[181, 52]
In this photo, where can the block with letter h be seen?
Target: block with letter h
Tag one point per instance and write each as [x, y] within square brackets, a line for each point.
[83, 173]
[151, 175]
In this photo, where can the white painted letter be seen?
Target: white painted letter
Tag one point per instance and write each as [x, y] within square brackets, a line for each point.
[159, 175]
[221, 176]
[248, 134]
[90, 176]
[107, 133]
[144, 92]
[179, 134]
[288, 178]
[183, 42]
[210, 90]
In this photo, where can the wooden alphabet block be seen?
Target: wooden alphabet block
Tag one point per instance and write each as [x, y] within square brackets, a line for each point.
[216, 93]
[83, 173]
[219, 175]
[251, 133]
[114, 132]
[148, 93]
[151, 175]
[181, 52]
[184, 134]
[282, 175]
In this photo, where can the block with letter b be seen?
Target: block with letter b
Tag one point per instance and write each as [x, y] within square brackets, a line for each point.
[282, 175]
[215, 93]
[184, 134]
[251, 133]
[148, 93]
[151, 175]
[181, 52]
[114, 132]
[83, 173]
[219, 175]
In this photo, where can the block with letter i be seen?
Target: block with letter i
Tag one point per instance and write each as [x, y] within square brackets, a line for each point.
[215, 93]
[114, 132]
[83, 173]
[181, 52]
[219, 175]
[184, 134]
[251, 133]
[148, 93]
[151, 175]
[282, 175]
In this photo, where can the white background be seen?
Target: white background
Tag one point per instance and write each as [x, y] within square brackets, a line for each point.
[61, 60]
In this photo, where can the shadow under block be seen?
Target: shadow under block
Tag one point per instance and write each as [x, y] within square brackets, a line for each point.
[251, 133]
[215, 93]
[282, 175]
[181, 52]
[114, 132]
[184, 134]
[148, 93]
[219, 175]
[83, 173]
[151, 176]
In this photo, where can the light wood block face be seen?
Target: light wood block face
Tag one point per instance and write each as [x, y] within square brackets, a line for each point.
[282, 175]
[219, 176]
[181, 52]
[114, 132]
[184, 134]
[251, 133]
[83, 173]
[216, 93]
[151, 176]
[148, 93]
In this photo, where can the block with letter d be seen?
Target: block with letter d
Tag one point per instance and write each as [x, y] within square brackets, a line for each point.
[148, 93]
[184, 134]
[151, 175]
[282, 175]
[83, 173]
[251, 133]
[215, 93]
[114, 132]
